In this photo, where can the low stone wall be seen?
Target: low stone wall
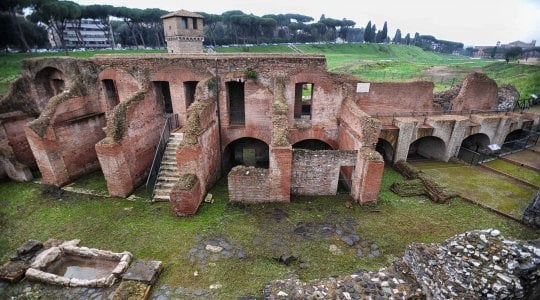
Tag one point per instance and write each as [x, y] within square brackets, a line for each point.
[47, 257]
[249, 185]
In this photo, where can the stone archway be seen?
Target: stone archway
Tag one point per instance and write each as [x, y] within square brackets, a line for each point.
[49, 82]
[246, 151]
[430, 147]
[476, 142]
[385, 149]
[312, 144]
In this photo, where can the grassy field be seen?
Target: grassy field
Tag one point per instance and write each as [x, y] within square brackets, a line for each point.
[150, 231]
[10, 64]
[400, 63]
[493, 190]
[367, 61]
[522, 173]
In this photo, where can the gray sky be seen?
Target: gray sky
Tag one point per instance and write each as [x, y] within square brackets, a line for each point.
[473, 22]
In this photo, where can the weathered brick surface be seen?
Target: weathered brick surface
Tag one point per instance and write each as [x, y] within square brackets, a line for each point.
[249, 185]
[477, 92]
[317, 172]
[389, 97]
[14, 133]
[367, 176]
[186, 200]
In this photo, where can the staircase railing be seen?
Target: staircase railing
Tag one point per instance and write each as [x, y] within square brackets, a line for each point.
[171, 123]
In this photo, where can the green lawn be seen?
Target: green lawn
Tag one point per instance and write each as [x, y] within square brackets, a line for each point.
[400, 63]
[10, 64]
[150, 231]
[516, 171]
[491, 189]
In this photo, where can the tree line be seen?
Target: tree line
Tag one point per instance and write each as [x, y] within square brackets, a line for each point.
[133, 27]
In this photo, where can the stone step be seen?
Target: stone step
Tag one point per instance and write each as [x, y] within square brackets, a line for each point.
[168, 178]
[165, 184]
[169, 167]
[169, 162]
[161, 198]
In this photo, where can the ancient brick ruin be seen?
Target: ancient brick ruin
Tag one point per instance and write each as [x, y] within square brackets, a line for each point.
[275, 125]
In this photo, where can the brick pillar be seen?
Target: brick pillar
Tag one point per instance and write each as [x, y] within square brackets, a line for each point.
[281, 172]
[48, 157]
[186, 195]
[367, 176]
[115, 169]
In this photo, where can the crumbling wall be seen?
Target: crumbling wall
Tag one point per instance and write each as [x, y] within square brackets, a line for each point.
[508, 97]
[9, 165]
[199, 152]
[390, 97]
[444, 98]
[13, 125]
[317, 172]
[62, 139]
[531, 215]
[478, 92]
[133, 131]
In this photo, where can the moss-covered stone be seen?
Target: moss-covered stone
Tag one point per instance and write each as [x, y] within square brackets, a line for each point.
[132, 290]
[186, 182]
[406, 169]
[117, 120]
[408, 188]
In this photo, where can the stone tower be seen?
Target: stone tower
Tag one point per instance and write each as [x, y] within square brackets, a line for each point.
[183, 32]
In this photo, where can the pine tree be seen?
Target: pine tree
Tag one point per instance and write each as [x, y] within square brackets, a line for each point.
[397, 37]
[417, 41]
[384, 32]
[408, 39]
[373, 34]
[367, 33]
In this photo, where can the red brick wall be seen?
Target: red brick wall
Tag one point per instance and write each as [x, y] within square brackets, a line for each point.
[125, 163]
[477, 92]
[66, 151]
[249, 185]
[388, 97]
[185, 202]
[14, 129]
[367, 177]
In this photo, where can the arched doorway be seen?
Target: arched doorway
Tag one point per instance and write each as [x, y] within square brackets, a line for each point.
[474, 149]
[246, 151]
[428, 147]
[49, 82]
[385, 149]
[312, 144]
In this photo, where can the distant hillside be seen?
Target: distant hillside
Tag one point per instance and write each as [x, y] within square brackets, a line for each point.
[384, 62]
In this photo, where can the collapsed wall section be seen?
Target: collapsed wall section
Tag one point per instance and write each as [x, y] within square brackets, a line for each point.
[318, 172]
[198, 156]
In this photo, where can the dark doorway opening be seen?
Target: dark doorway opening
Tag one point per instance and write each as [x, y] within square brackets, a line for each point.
[345, 180]
[162, 92]
[312, 144]
[385, 149]
[111, 93]
[235, 93]
[189, 90]
[428, 147]
[247, 152]
[303, 98]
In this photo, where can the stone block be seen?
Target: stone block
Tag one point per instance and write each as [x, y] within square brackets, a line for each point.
[145, 271]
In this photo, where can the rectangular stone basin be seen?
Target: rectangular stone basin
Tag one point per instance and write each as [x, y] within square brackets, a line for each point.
[70, 265]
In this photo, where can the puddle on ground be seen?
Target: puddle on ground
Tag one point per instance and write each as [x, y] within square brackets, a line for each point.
[82, 268]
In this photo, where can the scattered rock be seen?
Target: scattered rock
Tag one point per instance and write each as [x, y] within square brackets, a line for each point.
[214, 249]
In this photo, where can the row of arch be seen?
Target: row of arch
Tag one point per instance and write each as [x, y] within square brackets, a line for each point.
[435, 147]
[250, 151]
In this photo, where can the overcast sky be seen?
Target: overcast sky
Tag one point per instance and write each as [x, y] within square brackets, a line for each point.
[473, 22]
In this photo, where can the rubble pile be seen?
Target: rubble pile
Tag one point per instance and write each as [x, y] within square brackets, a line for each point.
[531, 215]
[444, 98]
[508, 97]
[476, 264]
